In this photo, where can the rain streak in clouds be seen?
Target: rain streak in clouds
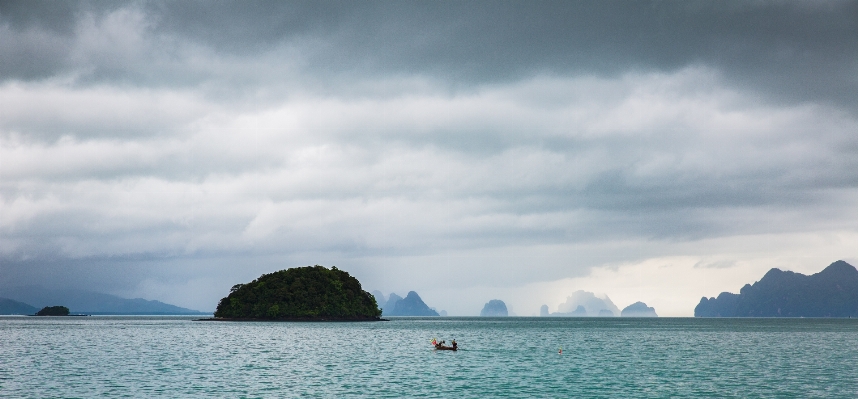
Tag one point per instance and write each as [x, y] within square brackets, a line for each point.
[650, 151]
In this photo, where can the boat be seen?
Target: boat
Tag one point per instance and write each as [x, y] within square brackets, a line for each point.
[439, 346]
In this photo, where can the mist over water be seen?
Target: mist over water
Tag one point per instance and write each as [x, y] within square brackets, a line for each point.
[518, 357]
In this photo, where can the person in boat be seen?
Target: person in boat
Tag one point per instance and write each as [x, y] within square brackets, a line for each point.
[454, 344]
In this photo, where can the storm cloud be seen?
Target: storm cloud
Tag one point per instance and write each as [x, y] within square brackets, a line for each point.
[171, 149]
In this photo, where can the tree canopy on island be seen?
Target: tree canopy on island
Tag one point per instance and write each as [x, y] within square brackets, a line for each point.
[53, 311]
[311, 292]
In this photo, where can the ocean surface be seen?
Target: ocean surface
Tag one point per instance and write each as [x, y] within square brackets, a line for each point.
[112, 357]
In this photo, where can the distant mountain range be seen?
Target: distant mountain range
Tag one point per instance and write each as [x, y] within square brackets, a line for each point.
[87, 302]
[9, 306]
[833, 292]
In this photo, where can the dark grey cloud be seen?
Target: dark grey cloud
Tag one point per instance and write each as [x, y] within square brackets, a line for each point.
[790, 51]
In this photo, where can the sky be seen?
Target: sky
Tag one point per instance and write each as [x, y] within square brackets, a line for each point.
[467, 150]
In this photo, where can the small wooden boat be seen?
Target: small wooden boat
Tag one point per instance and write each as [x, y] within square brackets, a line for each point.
[439, 346]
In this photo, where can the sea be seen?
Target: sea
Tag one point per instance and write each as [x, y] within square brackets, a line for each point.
[517, 357]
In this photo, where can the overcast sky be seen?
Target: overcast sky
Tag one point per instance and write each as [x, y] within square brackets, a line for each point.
[653, 151]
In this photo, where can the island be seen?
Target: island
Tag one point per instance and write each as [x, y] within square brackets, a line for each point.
[53, 311]
[411, 305]
[638, 309]
[390, 304]
[833, 292]
[311, 293]
[583, 304]
[494, 308]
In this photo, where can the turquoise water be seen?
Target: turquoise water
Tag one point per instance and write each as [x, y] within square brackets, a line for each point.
[90, 357]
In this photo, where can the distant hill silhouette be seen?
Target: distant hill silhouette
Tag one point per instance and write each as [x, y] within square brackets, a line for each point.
[9, 306]
[379, 299]
[93, 302]
[411, 305]
[580, 311]
[390, 304]
[833, 292]
[638, 309]
[58, 310]
[583, 304]
[494, 308]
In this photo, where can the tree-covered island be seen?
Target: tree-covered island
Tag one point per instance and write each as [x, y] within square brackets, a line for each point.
[303, 293]
[53, 311]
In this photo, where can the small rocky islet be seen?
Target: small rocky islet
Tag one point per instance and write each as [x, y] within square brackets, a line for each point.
[638, 309]
[494, 308]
